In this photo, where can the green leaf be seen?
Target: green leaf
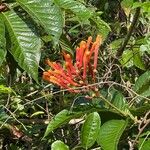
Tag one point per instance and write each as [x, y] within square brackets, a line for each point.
[24, 43]
[115, 44]
[139, 111]
[61, 118]
[59, 145]
[76, 7]
[110, 133]
[127, 58]
[2, 41]
[117, 99]
[137, 60]
[145, 45]
[142, 85]
[45, 13]
[144, 145]
[130, 58]
[127, 3]
[65, 44]
[89, 131]
[145, 6]
[102, 27]
[4, 89]
[3, 115]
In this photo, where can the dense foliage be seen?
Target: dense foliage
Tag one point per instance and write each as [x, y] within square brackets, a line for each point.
[95, 91]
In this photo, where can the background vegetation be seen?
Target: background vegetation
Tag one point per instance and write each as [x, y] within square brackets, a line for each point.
[37, 115]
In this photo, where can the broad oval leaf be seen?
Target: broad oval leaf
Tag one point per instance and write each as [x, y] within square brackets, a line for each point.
[110, 133]
[2, 41]
[59, 145]
[61, 118]
[45, 13]
[24, 43]
[90, 130]
[76, 7]
[142, 85]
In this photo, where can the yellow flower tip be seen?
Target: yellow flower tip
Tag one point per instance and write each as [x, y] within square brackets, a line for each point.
[81, 82]
[68, 84]
[68, 56]
[93, 95]
[45, 73]
[54, 63]
[90, 38]
[82, 43]
[96, 89]
[98, 39]
[95, 71]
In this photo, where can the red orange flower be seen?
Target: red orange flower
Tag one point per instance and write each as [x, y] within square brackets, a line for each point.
[75, 74]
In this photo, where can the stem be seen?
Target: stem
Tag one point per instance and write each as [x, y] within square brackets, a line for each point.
[135, 18]
[124, 114]
[121, 112]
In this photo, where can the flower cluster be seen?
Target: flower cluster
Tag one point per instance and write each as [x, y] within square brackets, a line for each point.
[76, 74]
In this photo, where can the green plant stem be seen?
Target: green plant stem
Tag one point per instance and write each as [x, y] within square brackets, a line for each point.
[104, 99]
[121, 112]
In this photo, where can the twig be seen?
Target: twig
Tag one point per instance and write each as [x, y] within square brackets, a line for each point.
[113, 106]
[31, 121]
[135, 18]
[99, 83]
[15, 118]
[146, 123]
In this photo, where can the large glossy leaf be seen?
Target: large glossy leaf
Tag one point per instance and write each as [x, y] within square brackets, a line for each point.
[76, 7]
[142, 85]
[2, 41]
[48, 15]
[110, 133]
[59, 145]
[90, 130]
[24, 43]
[61, 118]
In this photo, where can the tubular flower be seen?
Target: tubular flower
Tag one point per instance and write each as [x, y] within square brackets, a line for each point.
[76, 75]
